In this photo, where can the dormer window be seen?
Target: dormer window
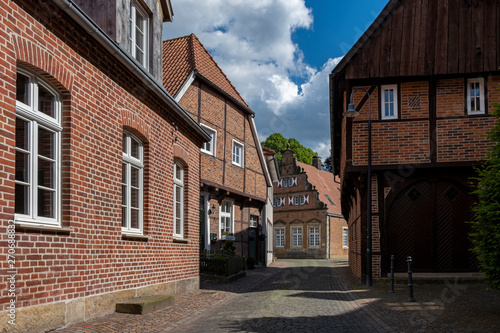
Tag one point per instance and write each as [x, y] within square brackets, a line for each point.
[138, 33]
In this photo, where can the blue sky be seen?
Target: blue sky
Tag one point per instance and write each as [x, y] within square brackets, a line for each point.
[278, 54]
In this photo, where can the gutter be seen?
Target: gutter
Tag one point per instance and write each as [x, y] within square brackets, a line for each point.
[130, 63]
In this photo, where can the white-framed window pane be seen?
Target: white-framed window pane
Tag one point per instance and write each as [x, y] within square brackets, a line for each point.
[178, 200]
[210, 147]
[38, 144]
[46, 203]
[313, 236]
[296, 237]
[280, 237]
[226, 217]
[22, 88]
[253, 221]
[475, 96]
[132, 184]
[138, 33]
[237, 153]
[389, 102]
[344, 238]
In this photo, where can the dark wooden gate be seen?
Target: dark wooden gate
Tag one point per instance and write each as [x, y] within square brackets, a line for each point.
[427, 221]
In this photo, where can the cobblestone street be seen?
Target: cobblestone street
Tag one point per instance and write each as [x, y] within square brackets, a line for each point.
[314, 296]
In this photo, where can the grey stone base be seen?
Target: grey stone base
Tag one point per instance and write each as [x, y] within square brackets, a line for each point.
[46, 317]
[145, 304]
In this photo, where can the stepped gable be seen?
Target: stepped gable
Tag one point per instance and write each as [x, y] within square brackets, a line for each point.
[185, 55]
[325, 185]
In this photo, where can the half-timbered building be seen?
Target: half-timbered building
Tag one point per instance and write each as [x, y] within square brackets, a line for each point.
[431, 70]
[234, 176]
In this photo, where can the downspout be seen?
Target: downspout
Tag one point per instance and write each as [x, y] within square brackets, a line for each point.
[123, 56]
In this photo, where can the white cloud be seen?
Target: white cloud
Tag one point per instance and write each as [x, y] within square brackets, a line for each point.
[252, 43]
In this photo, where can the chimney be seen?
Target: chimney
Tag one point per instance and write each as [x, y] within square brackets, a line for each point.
[317, 162]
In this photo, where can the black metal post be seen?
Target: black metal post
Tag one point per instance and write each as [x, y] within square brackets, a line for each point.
[392, 274]
[410, 281]
[369, 201]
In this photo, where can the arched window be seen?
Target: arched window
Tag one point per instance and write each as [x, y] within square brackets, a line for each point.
[38, 151]
[132, 184]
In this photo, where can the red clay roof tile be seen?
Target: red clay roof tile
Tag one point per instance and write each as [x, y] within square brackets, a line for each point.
[184, 55]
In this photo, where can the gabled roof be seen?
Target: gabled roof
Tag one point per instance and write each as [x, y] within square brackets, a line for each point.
[426, 37]
[186, 55]
[328, 189]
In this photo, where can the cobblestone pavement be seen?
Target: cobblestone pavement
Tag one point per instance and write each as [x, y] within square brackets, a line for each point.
[314, 296]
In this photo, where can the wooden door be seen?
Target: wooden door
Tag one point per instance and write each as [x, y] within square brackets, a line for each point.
[428, 221]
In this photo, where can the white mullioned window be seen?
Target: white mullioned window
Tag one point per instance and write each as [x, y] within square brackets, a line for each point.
[226, 217]
[313, 236]
[279, 237]
[237, 153]
[38, 151]
[178, 200]
[132, 184]
[296, 237]
[475, 96]
[254, 220]
[344, 238]
[285, 182]
[138, 33]
[211, 146]
[389, 101]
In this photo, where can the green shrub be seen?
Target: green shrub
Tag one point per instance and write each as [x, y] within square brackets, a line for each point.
[486, 225]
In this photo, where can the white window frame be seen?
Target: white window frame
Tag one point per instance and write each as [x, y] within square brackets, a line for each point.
[37, 119]
[345, 239]
[296, 236]
[136, 8]
[314, 237]
[226, 214]
[279, 237]
[394, 88]
[284, 182]
[213, 141]
[482, 109]
[178, 232]
[130, 161]
[254, 221]
[239, 146]
[290, 182]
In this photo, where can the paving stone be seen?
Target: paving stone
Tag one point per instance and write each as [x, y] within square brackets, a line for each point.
[313, 296]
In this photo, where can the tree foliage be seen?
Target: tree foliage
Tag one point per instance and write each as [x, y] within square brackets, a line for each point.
[486, 224]
[279, 143]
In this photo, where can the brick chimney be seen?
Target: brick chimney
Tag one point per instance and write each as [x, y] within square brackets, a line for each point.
[317, 162]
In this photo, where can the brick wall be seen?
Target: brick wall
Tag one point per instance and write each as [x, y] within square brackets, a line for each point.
[101, 99]
[231, 123]
[392, 142]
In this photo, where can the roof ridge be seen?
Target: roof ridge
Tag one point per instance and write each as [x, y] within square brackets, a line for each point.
[216, 64]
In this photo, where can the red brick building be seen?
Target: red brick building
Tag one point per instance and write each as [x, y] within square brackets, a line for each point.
[307, 218]
[99, 164]
[432, 70]
[234, 177]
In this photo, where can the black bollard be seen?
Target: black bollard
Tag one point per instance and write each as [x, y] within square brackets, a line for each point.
[392, 274]
[410, 281]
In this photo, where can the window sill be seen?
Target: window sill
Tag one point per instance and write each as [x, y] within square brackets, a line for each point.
[43, 228]
[180, 240]
[132, 237]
